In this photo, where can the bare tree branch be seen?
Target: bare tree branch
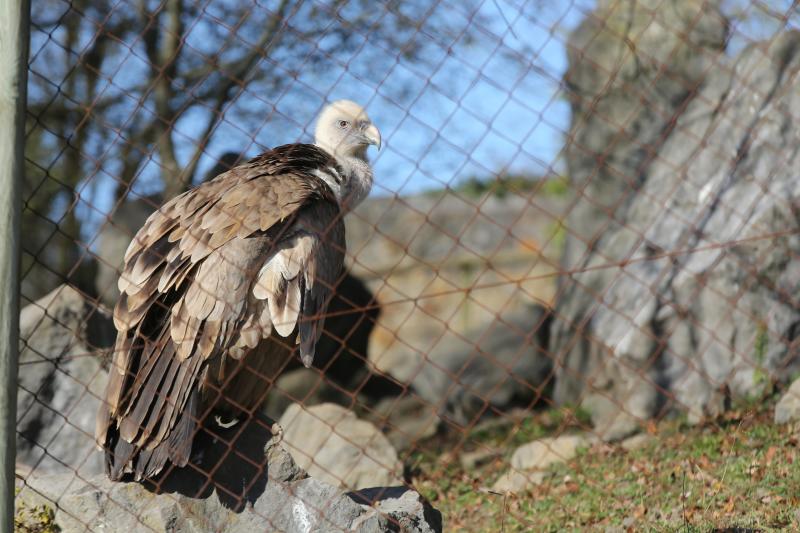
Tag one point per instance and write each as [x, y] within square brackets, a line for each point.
[163, 55]
[235, 77]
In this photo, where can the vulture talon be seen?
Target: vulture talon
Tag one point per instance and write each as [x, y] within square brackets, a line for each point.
[225, 425]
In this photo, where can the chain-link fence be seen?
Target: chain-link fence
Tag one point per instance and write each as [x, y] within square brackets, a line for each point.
[583, 226]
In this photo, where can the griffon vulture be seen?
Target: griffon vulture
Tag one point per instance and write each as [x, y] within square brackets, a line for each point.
[222, 285]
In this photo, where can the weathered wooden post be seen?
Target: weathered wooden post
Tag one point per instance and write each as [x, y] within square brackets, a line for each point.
[14, 35]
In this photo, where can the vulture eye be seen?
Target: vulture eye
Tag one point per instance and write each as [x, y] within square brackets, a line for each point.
[343, 124]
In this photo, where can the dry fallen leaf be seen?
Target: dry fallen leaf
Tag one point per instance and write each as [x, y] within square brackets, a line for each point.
[771, 451]
[729, 505]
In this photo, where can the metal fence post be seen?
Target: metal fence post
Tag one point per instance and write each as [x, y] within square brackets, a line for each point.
[14, 32]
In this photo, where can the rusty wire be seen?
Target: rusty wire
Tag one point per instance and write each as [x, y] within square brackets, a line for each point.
[565, 277]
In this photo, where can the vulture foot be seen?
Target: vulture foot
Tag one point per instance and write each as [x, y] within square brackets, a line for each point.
[229, 424]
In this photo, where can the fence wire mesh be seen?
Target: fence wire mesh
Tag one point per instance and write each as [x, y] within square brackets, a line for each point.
[583, 226]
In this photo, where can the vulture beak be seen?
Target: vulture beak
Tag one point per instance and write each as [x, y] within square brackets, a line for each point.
[373, 136]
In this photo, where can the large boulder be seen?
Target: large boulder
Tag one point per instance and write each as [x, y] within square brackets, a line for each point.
[634, 65]
[63, 337]
[505, 361]
[697, 304]
[333, 445]
[461, 281]
[788, 407]
[257, 488]
[307, 386]
[405, 419]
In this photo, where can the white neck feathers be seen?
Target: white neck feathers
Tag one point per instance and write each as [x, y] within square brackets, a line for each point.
[352, 184]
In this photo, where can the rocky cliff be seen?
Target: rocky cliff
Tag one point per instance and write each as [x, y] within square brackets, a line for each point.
[686, 239]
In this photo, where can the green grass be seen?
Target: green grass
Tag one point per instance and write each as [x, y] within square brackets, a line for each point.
[736, 472]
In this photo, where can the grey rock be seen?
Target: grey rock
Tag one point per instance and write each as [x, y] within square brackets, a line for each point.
[334, 446]
[504, 361]
[637, 442]
[715, 181]
[542, 453]
[63, 336]
[529, 461]
[788, 407]
[515, 481]
[281, 498]
[405, 509]
[405, 419]
[633, 65]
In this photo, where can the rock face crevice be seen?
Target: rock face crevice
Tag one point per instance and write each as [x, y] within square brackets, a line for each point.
[684, 300]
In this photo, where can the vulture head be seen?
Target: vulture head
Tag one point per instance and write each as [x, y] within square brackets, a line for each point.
[345, 130]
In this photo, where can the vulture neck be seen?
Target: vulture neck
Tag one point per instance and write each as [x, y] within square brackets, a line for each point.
[355, 181]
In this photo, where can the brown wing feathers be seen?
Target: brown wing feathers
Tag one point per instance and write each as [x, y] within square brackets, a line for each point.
[211, 274]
